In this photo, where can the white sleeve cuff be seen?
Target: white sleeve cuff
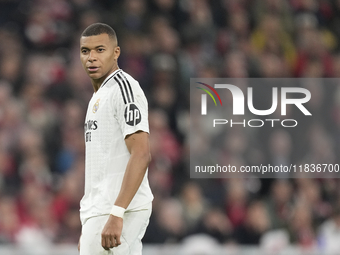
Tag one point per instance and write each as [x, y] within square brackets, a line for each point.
[117, 211]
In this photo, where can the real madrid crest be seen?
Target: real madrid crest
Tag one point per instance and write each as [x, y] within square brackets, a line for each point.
[96, 106]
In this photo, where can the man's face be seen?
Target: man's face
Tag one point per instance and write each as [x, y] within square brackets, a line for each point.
[99, 54]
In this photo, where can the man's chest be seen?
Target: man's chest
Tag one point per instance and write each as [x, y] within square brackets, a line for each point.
[99, 117]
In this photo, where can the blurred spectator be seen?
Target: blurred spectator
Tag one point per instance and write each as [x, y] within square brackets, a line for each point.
[301, 228]
[312, 49]
[236, 202]
[309, 193]
[256, 223]
[216, 224]
[165, 152]
[328, 234]
[270, 38]
[279, 8]
[279, 204]
[193, 204]
[9, 221]
[167, 224]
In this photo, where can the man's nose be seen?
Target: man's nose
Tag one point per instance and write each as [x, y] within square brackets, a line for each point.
[92, 56]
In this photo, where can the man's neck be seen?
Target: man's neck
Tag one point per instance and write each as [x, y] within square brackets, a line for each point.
[98, 82]
[96, 85]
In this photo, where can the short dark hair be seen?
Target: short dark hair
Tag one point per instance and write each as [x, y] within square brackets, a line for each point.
[98, 29]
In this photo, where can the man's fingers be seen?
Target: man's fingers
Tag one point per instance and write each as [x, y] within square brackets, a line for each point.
[111, 232]
[112, 242]
[105, 242]
[109, 242]
[118, 242]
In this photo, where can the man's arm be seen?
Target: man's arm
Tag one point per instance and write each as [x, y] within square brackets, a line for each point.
[139, 148]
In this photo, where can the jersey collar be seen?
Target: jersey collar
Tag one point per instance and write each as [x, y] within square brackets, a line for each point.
[109, 77]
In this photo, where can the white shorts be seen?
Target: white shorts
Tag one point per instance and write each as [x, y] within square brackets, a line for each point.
[134, 227]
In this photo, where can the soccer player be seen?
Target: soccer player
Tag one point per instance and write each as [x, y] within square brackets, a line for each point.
[116, 206]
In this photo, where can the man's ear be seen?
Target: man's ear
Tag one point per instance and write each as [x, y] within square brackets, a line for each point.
[117, 52]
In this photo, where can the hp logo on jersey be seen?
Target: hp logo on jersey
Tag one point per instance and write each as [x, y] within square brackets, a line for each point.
[132, 115]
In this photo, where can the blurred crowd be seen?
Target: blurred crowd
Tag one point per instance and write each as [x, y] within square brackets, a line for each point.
[44, 94]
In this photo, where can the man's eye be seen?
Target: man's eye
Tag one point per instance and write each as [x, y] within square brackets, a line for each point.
[84, 51]
[100, 50]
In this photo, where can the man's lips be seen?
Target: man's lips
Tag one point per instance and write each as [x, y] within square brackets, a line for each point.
[92, 68]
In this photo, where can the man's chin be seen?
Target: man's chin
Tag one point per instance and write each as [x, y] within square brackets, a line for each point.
[94, 76]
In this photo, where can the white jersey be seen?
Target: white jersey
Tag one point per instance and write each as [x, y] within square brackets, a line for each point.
[117, 109]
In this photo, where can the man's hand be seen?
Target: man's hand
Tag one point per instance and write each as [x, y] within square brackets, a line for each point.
[111, 232]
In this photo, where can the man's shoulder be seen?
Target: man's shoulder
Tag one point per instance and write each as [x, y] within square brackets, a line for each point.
[123, 85]
[129, 78]
[122, 79]
[128, 82]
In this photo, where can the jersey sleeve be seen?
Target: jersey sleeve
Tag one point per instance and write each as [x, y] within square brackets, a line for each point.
[131, 107]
